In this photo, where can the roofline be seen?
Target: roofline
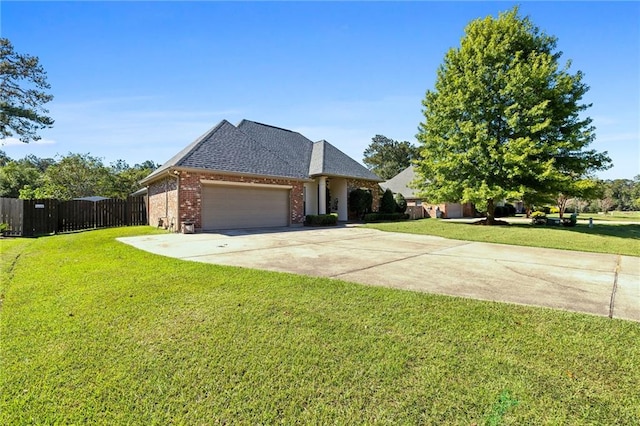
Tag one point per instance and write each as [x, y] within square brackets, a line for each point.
[268, 125]
[171, 169]
[346, 177]
[179, 156]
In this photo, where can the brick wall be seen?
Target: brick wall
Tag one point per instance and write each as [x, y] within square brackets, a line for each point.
[163, 202]
[190, 198]
[164, 198]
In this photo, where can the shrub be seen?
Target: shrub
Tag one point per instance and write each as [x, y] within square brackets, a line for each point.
[499, 211]
[388, 204]
[570, 221]
[546, 209]
[401, 203]
[387, 217]
[504, 211]
[320, 220]
[538, 218]
[360, 201]
[554, 210]
[4, 227]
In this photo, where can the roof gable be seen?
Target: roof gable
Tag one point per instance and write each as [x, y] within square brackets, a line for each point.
[260, 149]
[329, 160]
[401, 183]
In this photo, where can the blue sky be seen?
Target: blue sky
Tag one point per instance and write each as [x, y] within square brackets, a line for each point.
[140, 80]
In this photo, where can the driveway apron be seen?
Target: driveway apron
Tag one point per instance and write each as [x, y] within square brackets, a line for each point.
[600, 284]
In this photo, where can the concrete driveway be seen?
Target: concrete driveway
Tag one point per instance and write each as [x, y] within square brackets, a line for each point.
[600, 284]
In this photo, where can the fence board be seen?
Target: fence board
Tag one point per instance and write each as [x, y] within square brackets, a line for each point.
[38, 217]
[11, 213]
[137, 211]
[76, 215]
[415, 212]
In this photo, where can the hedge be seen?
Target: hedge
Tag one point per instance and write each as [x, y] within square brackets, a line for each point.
[320, 220]
[390, 217]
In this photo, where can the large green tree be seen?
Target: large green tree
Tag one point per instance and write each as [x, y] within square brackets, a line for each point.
[74, 176]
[583, 189]
[505, 119]
[15, 175]
[387, 157]
[23, 92]
[123, 179]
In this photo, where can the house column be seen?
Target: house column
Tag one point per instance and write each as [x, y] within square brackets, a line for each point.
[322, 195]
[339, 192]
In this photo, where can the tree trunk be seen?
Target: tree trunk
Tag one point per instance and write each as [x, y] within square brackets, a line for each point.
[562, 204]
[491, 220]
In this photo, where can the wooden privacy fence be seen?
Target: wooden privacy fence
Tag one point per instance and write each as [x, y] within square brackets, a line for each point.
[28, 218]
[415, 212]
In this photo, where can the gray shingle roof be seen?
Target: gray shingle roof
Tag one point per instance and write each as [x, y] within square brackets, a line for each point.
[260, 149]
[401, 182]
[330, 161]
[291, 147]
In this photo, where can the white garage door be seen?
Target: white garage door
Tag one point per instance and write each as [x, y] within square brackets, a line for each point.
[454, 210]
[229, 207]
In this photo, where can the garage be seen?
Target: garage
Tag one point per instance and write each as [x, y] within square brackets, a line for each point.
[453, 210]
[231, 206]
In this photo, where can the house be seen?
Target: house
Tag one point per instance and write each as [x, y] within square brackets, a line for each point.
[253, 175]
[418, 207]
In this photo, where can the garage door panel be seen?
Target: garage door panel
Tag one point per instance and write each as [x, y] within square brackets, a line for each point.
[228, 207]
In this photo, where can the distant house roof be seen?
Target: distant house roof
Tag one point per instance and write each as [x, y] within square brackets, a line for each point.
[92, 198]
[261, 149]
[401, 183]
[139, 192]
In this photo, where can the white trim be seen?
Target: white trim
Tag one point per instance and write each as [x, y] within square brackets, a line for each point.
[244, 184]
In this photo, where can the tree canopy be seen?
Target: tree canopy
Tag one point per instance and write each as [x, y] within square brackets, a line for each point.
[505, 119]
[23, 92]
[72, 176]
[387, 157]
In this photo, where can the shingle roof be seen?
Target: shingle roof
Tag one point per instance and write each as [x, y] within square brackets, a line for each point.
[291, 147]
[401, 182]
[330, 161]
[261, 149]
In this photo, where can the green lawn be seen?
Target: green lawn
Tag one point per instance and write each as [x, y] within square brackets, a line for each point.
[95, 331]
[602, 238]
[632, 216]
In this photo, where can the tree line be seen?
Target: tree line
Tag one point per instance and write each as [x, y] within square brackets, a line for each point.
[613, 194]
[70, 176]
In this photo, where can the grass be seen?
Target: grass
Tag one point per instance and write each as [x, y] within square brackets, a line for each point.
[602, 238]
[95, 331]
[612, 216]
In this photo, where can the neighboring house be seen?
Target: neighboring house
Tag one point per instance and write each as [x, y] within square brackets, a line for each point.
[254, 175]
[418, 207]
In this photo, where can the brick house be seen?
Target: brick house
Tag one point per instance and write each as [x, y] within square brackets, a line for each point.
[419, 207]
[251, 176]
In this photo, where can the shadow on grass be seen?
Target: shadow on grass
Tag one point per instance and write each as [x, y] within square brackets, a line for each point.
[620, 231]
